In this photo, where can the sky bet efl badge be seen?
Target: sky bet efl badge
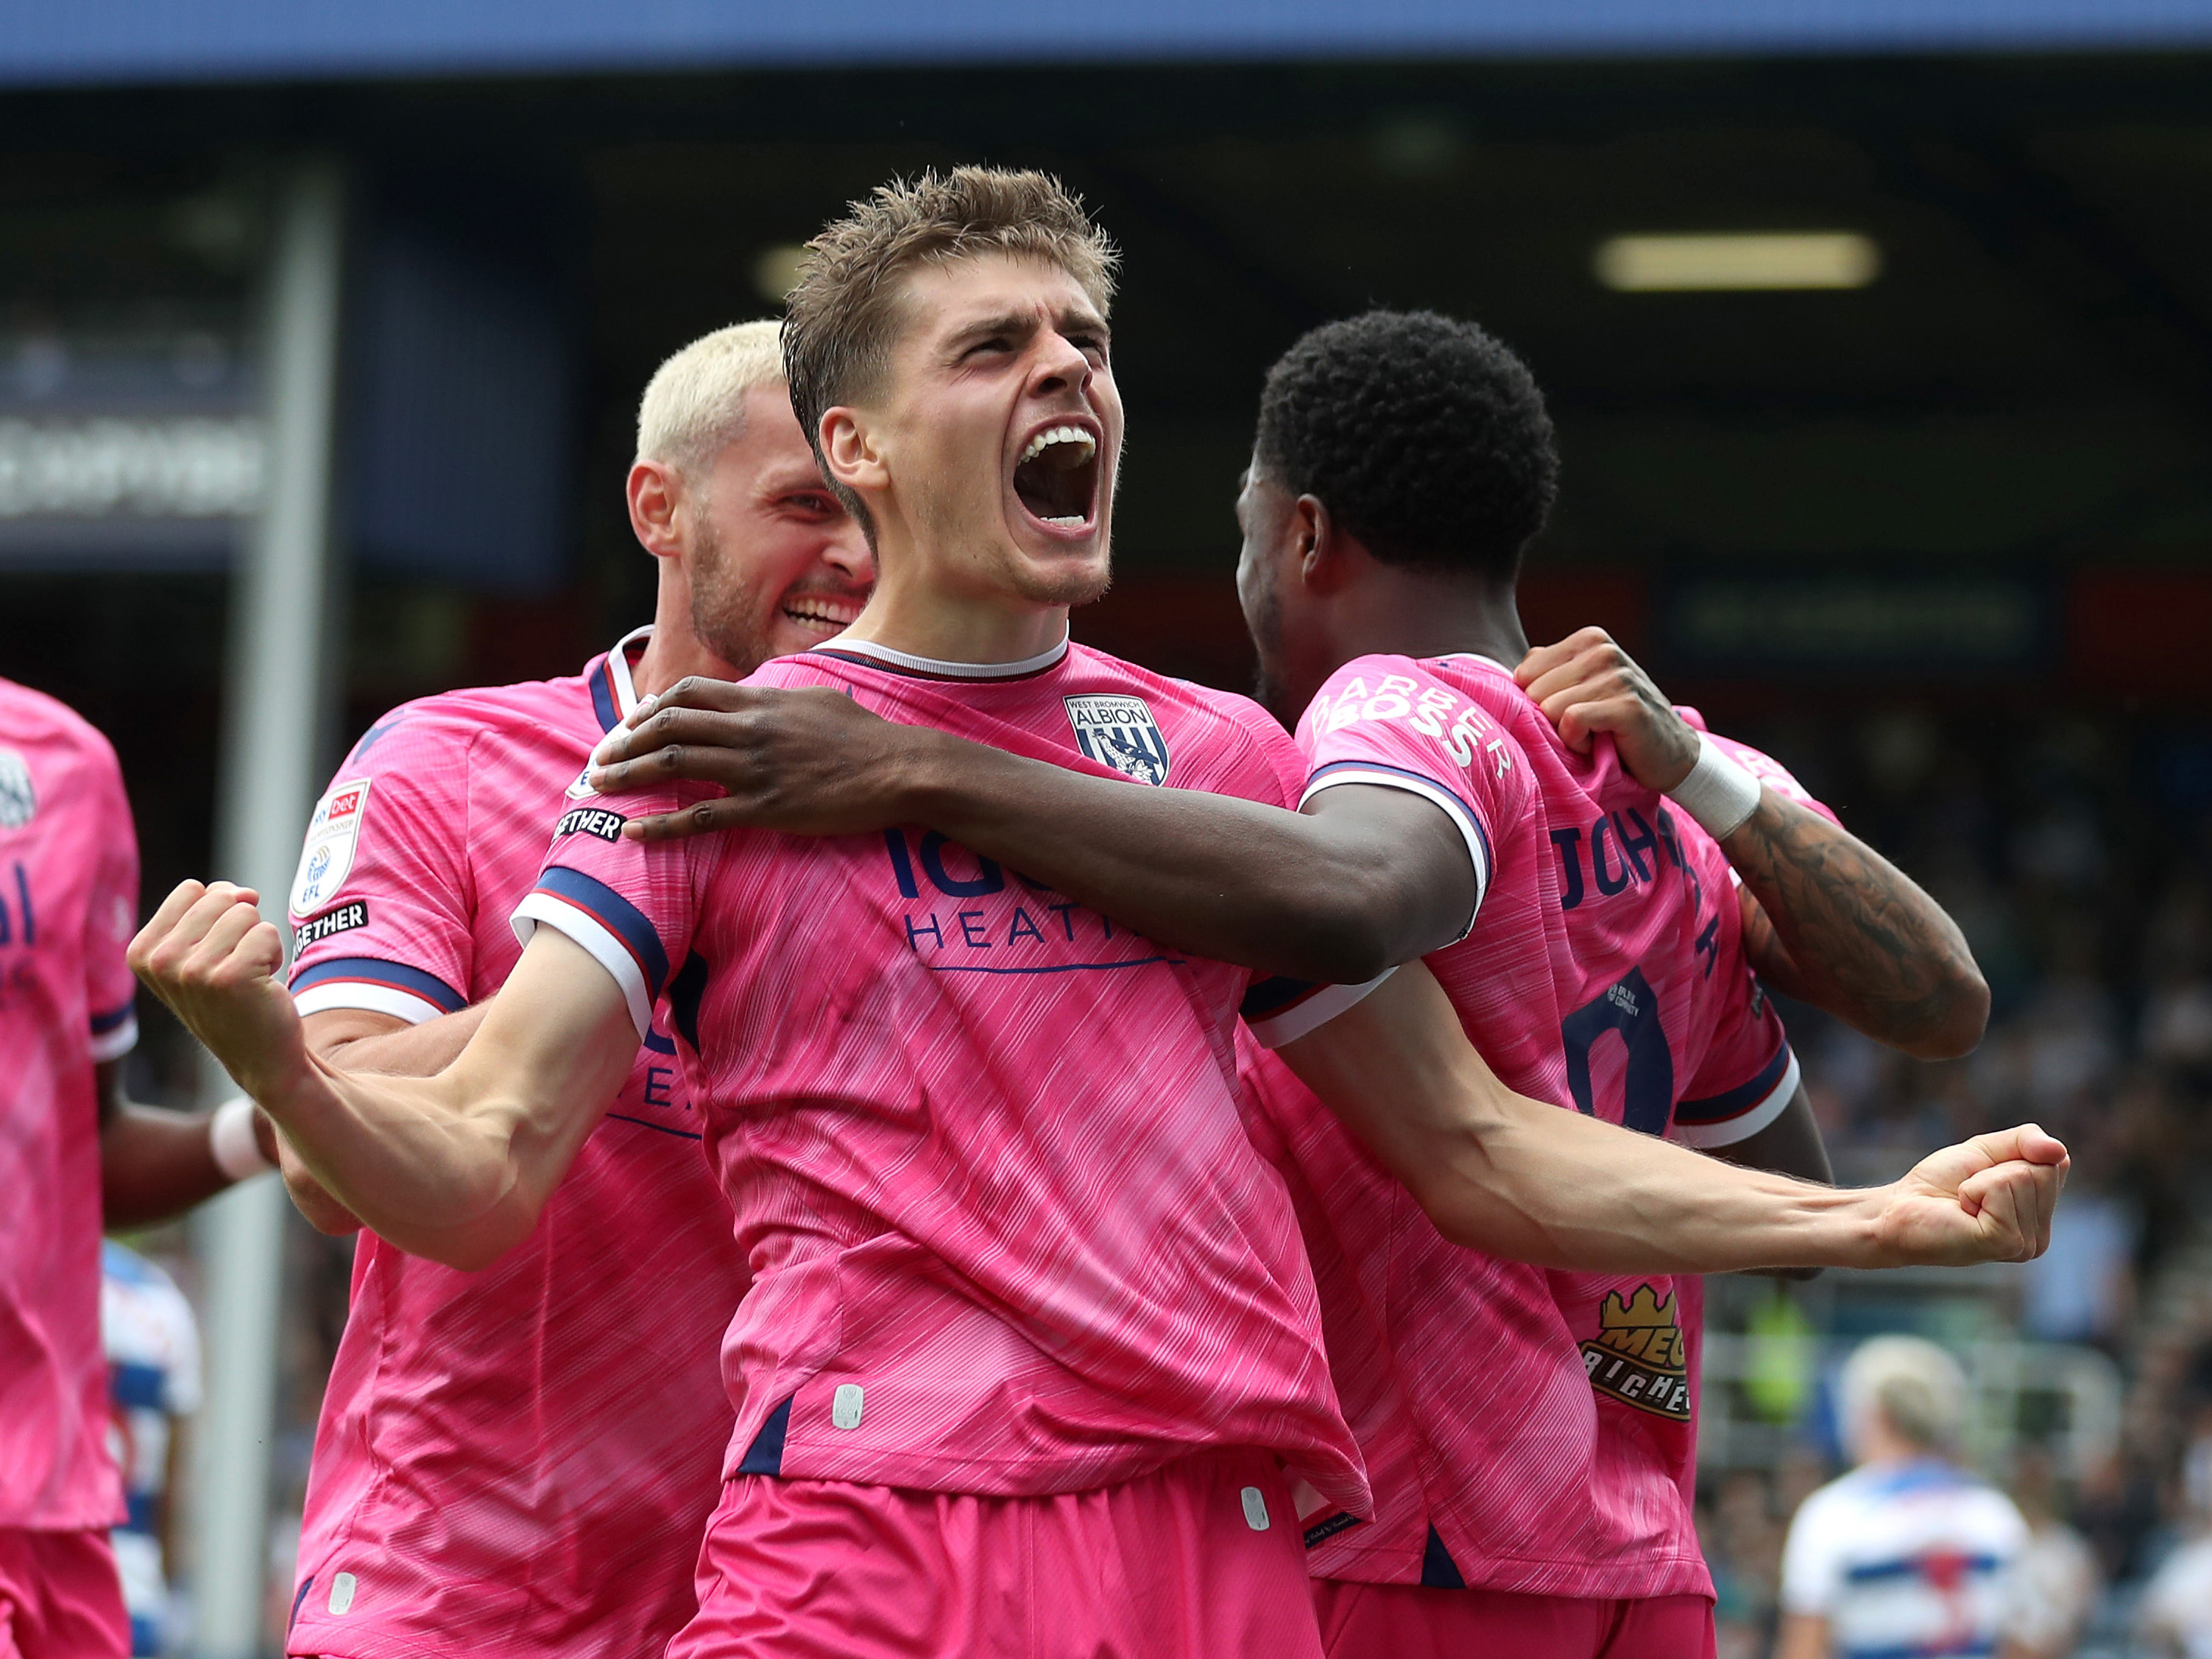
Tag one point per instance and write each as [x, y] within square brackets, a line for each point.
[1119, 732]
[333, 834]
[1638, 1358]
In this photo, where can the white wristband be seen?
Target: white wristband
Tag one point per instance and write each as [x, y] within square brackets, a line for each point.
[1719, 794]
[231, 1139]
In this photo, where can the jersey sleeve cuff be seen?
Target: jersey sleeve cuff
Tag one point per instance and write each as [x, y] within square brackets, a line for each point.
[1724, 1120]
[615, 932]
[1280, 1010]
[1390, 777]
[379, 987]
[114, 1034]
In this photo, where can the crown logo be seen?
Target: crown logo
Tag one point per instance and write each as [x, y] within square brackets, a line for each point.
[1641, 1310]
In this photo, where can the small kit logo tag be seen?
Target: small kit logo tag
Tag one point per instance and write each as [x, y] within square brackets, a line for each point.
[19, 797]
[1119, 732]
[590, 821]
[1638, 1357]
[333, 834]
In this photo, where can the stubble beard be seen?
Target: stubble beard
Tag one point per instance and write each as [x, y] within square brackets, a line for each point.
[941, 517]
[722, 609]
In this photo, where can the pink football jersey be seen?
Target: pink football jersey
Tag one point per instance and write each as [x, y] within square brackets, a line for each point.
[1528, 1430]
[68, 904]
[1007, 1232]
[520, 1460]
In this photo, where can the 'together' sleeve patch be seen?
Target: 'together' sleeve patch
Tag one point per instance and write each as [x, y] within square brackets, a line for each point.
[343, 920]
[598, 821]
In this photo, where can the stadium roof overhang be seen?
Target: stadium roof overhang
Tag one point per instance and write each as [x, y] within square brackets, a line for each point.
[110, 41]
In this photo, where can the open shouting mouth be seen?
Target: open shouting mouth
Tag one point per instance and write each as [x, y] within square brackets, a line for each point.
[1056, 478]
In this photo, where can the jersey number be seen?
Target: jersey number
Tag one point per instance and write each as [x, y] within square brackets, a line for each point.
[1631, 1007]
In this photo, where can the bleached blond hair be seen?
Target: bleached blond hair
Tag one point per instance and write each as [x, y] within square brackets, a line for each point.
[1911, 1385]
[696, 402]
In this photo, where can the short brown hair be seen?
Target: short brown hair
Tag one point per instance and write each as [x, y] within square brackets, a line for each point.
[842, 319]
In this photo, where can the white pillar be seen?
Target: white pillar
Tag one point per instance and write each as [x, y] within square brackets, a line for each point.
[270, 770]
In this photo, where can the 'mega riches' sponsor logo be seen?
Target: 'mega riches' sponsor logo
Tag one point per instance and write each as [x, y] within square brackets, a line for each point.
[344, 919]
[590, 821]
[1638, 1357]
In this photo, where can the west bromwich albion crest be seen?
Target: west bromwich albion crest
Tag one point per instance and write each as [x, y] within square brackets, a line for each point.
[1119, 732]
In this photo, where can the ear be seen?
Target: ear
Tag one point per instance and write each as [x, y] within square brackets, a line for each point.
[1323, 549]
[848, 457]
[655, 491]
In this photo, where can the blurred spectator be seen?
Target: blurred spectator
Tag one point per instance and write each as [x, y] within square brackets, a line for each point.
[1908, 1555]
[153, 1347]
[2176, 1615]
[2055, 1585]
[2080, 1290]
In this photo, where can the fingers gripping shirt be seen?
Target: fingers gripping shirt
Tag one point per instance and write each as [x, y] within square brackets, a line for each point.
[69, 902]
[1603, 973]
[523, 1457]
[984, 1144]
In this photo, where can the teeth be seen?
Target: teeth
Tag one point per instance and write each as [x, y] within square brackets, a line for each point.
[834, 616]
[1072, 521]
[1058, 434]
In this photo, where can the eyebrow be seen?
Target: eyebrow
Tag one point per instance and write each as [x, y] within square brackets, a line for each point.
[1011, 322]
[1022, 323]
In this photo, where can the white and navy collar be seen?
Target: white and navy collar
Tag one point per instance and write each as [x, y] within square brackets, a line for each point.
[1476, 656]
[614, 694]
[905, 662]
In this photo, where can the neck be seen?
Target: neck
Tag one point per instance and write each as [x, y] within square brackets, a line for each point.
[1415, 613]
[956, 626]
[674, 651]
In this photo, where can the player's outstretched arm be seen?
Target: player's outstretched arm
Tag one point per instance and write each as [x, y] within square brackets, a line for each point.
[1369, 878]
[1826, 919]
[454, 1167]
[1499, 1172]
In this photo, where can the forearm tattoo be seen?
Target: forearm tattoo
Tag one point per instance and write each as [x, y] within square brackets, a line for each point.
[1839, 926]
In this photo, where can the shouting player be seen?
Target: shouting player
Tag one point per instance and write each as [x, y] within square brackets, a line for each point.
[520, 1460]
[1032, 1339]
[1403, 463]
[75, 1152]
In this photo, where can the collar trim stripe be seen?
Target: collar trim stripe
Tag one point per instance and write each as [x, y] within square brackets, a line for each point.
[903, 662]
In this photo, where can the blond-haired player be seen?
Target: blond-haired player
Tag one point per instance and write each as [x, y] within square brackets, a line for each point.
[520, 1460]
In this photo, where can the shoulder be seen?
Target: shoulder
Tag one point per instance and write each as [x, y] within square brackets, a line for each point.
[33, 717]
[450, 727]
[1760, 764]
[1830, 1508]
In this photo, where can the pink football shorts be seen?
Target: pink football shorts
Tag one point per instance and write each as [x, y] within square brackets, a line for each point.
[59, 1596]
[1202, 1559]
[1416, 1622]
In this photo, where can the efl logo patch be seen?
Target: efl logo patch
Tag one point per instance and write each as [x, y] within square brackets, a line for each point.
[333, 834]
[19, 798]
[344, 919]
[1119, 732]
[590, 821]
[581, 789]
[1638, 1357]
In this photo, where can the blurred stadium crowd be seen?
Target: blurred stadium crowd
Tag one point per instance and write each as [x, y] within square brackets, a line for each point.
[2072, 849]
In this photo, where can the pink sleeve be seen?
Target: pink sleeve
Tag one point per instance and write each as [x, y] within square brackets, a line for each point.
[1748, 1074]
[110, 918]
[632, 905]
[1389, 721]
[380, 902]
